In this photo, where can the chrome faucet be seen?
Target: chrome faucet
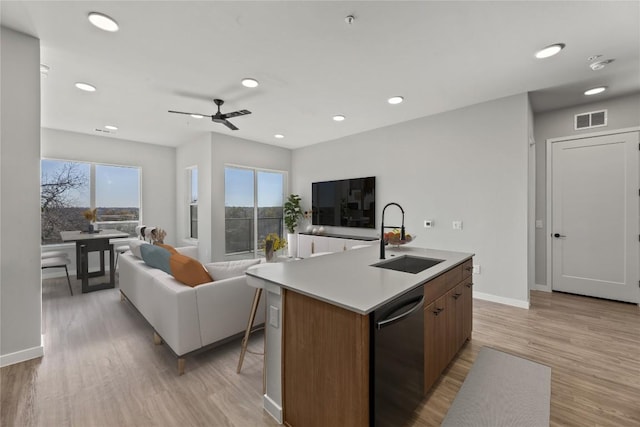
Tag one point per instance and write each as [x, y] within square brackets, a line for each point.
[382, 227]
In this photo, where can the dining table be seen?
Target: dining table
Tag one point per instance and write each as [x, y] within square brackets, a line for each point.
[97, 241]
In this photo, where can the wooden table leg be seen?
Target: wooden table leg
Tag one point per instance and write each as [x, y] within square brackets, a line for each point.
[252, 317]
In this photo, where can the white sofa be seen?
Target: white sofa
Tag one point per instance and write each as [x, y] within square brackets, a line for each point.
[187, 318]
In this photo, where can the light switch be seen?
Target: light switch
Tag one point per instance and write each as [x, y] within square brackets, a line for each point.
[428, 223]
[457, 225]
[476, 268]
[539, 223]
[274, 316]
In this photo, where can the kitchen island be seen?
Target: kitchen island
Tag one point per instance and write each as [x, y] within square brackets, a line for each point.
[319, 332]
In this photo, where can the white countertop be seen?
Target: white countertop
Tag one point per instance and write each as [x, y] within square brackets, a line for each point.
[348, 280]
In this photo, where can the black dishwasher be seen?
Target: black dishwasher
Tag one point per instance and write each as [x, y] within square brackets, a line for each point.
[397, 360]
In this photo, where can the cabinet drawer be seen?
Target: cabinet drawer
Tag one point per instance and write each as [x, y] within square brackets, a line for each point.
[454, 276]
[434, 289]
[467, 268]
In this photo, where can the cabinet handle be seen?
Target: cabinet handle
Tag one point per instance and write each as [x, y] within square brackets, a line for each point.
[469, 268]
[456, 296]
[438, 311]
[469, 285]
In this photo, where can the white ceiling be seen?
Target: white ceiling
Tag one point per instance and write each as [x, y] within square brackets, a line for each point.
[179, 55]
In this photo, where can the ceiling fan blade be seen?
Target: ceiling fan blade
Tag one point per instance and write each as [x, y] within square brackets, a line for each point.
[190, 114]
[236, 114]
[230, 125]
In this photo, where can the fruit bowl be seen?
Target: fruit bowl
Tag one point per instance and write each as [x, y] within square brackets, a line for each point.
[393, 238]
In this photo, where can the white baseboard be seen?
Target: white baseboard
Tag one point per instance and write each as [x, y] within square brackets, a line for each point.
[543, 288]
[272, 408]
[21, 356]
[501, 300]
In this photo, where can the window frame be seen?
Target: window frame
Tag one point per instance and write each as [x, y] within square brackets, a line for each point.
[92, 187]
[285, 188]
[191, 203]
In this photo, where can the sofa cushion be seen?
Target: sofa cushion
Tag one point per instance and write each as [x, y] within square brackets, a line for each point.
[188, 271]
[156, 257]
[227, 269]
[167, 247]
[134, 245]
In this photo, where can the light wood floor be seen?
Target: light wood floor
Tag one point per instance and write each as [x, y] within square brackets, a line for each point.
[102, 369]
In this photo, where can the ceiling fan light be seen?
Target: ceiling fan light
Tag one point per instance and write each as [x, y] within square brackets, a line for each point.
[103, 22]
[250, 82]
[85, 87]
[111, 127]
[595, 90]
[338, 118]
[196, 116]
[550, 50]
[395, 100]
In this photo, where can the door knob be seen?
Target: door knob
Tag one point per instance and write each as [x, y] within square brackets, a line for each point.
[558, 235]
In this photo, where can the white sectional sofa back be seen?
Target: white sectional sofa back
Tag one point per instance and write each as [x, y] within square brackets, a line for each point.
[187, 318]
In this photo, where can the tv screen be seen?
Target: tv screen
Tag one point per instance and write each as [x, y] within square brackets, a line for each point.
[345, 203]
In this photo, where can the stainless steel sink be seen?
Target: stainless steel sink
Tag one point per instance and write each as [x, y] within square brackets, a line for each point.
[409, 264]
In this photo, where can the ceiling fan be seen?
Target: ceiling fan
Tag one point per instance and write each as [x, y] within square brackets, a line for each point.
[219, 117]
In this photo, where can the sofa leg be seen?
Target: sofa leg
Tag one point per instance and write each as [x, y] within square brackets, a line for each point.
[180, 365]
[157, 340]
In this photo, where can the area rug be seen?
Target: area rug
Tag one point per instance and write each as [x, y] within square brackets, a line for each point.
[502, 390]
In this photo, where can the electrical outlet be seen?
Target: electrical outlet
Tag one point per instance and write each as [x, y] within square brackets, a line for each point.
[476, 268]
[428, 223]
[539, 223]
[457, 225]
[274, 316]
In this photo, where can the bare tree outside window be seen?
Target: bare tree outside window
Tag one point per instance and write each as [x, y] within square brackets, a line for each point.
[60, 207]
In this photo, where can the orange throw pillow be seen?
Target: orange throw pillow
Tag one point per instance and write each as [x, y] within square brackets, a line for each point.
[188, 271]
[167, 247]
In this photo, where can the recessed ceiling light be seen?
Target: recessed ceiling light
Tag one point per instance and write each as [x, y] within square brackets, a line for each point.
[196, 116]
[103, 22]
[86, 87]
[278, 135]
[550, 50]
[111, 127]
[250, 83]
[338, 118]
[395, 100]
[595, 90]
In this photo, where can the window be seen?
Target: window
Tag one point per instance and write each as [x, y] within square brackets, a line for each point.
[69, 188]
[252, 194]
[193, 202]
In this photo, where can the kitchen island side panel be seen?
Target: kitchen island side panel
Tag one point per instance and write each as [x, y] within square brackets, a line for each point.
[325, 364]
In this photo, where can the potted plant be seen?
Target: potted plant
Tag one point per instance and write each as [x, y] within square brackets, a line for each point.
[292, 212]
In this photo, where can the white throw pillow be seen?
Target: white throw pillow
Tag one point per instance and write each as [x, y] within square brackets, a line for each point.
[227, 269]
[134, 246]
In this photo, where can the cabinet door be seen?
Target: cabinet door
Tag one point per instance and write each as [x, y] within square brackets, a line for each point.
[321, 244]
[467, 308]
[304, 245]
[435, 351]
[451, 337]
[336, 244]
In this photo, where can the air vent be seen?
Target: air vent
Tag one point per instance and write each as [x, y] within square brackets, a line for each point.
[593, 119]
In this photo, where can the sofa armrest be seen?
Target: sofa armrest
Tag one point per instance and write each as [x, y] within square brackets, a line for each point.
[223, 308]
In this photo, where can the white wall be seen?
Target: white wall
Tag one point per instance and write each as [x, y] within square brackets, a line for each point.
[623, 112]
[469, 164]
[20, 283]
[194, 153]
[157, 163]
[241, 152]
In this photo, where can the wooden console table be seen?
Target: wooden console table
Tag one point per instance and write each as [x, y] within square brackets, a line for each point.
[93, 242]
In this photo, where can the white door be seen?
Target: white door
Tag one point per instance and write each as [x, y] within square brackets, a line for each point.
[595, 220]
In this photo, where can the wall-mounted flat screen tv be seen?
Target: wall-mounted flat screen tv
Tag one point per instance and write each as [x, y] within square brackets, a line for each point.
[345, 203]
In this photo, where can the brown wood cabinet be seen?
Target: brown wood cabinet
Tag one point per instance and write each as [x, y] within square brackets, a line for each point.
[325, 351]
[447, 319]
